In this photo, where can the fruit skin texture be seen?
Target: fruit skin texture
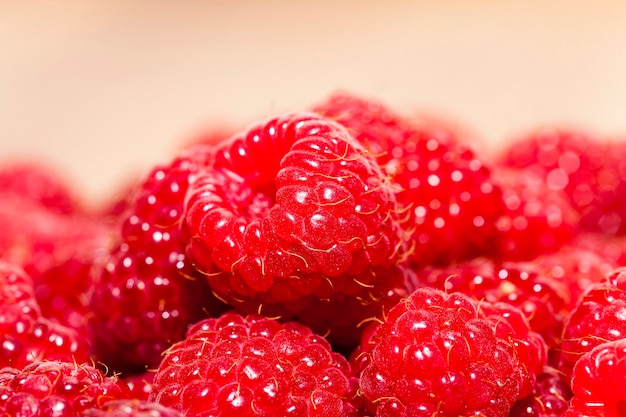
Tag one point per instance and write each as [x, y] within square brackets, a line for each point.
[145, 293]
[294, 220]
[451, 202]
[56, 389]
[599, 317]
[598, 382]
[253, 366]
[445, 354]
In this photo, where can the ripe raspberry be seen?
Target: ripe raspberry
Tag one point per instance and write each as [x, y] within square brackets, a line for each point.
[590, 172]
[543, 300]
[536, 220]
[370, 121]
[131, 408]
[146, 294]
[253, 366]
[63, 280]
[448, 355]
[30, 232]
[576, 267]
[610, 248]
[25, 339]
[42, 185]
[598, 382]
[599, 317]
[293, 219]
[17, 291]
[52, 389]
[57, 251]
[451, 200]
[550, 398]
[25, 336]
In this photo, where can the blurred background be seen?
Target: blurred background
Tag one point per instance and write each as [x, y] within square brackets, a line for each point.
[105, 89]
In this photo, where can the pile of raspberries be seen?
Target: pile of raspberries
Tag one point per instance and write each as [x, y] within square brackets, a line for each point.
[344, 260]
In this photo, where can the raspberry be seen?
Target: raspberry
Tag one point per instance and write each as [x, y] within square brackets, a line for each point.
[24, 340]
[550, 397]
[63, 279]
[17, 290]
[57, 251]
[598, 381]
[543, 300]
[253, 366]
[42, 185]
[599, 317]
[293, 219]
[25, 336]
[131, 408]
[537, 219]
[589, 171]
[451, 200]
[370, 121]
[576, 267]
[52, 388]
[612, 249]
[146, 294]
[448, 355]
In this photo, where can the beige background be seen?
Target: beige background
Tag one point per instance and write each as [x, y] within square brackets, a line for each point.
[104, 89]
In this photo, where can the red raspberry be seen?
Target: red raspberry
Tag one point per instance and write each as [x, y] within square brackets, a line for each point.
[448, 355]
[599, 317]
[610, 248]
[146, 294]
[131, 408]
[17, 291]
[590, 172]
[370, 121]
[598, 382]
[536, 220]
[25, 336]
[25, 339]
[57, 251]
[293, 219]
[253, 367]
[63, 280]
[576, 267]
[550, 398]
[54, 389]
[42, 185]
[451, 201]
[543, 300]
